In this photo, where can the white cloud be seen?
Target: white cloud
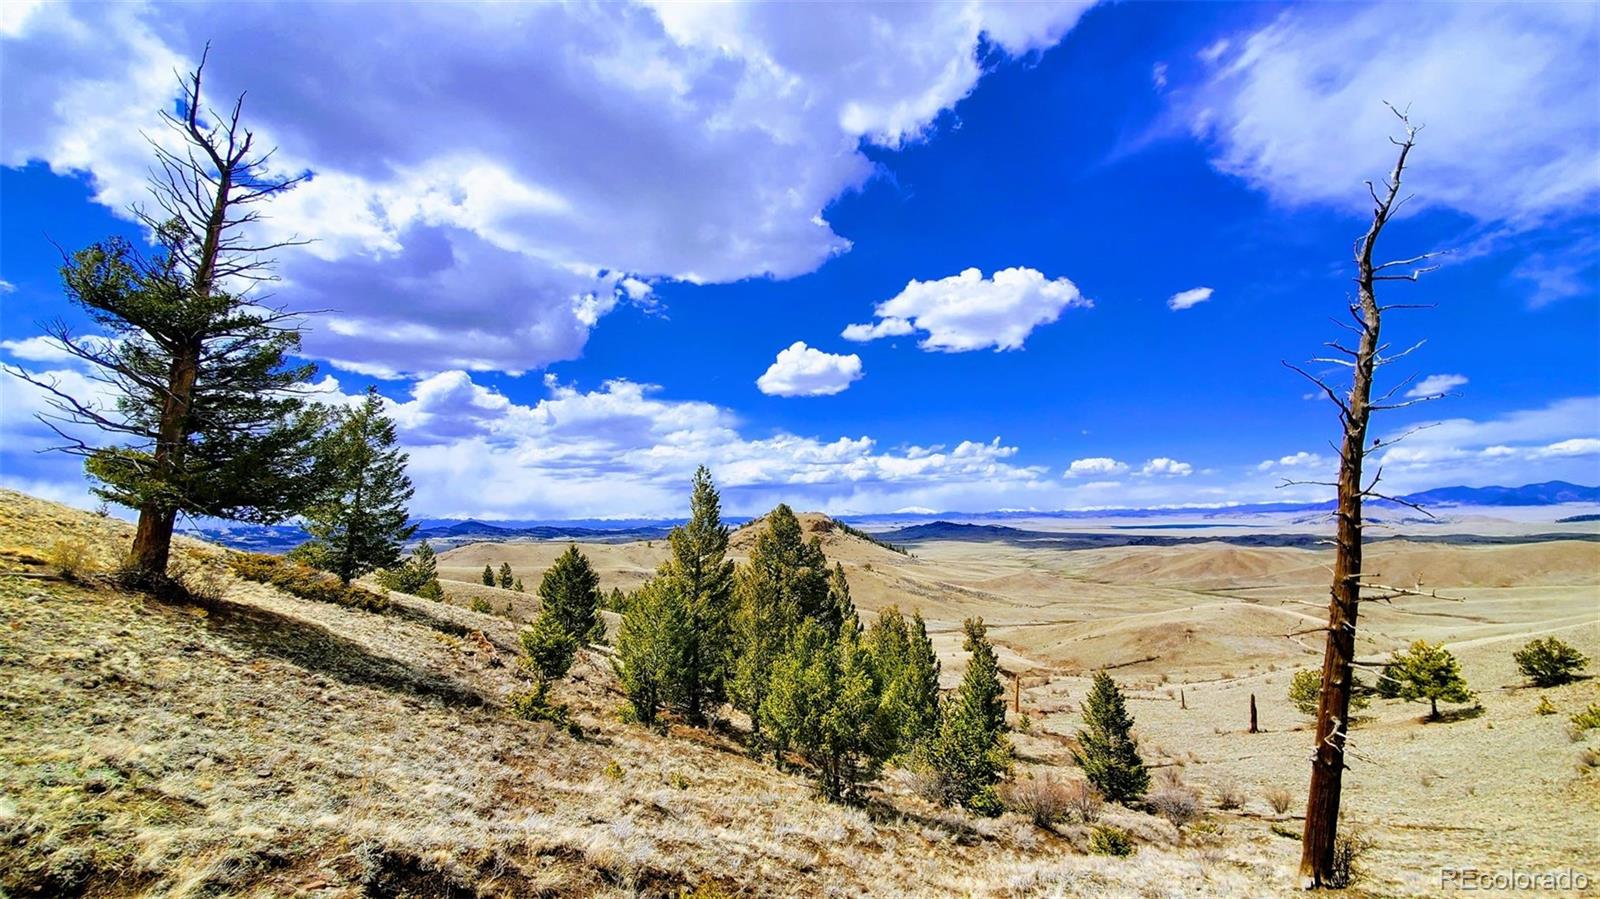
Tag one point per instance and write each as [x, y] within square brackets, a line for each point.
[1164, 467]
[1187, 298]
[484, 198]
[970, 312]
[1501, 87]
[1098, 466]
[1158, 75]
[1301, 459]
[7, 286]
[624, 450]
[1433, 385]
[801, 370]
[1556, 442]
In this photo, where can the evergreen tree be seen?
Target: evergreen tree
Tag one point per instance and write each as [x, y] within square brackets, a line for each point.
[823, 703]
[571, 592]
[1428, 671]
[970, 752]
[784, 582]
[208, 419]
[1108, 753]
[1305, 691]
[488, 575]
[839, 614]
[418, 575]
[1549, 662]
[548, 652]
[650, 646]
[517, 585]
[908, 674]
[701, 581]
[359, 523]
[505, 580]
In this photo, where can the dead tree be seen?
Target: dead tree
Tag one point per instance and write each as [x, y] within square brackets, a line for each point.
[1253, 728]
[1349, 589]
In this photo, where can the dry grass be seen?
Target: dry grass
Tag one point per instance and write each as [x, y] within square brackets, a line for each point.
[268, 745]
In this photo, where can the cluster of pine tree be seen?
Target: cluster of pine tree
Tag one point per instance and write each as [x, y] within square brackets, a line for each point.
[779, 638]
[505, 580]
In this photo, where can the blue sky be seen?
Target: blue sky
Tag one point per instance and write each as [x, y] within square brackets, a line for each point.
[585, 248]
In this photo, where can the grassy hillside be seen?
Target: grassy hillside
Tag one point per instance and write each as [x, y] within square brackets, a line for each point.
[259, 744]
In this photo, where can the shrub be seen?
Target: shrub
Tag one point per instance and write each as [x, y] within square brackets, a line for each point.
[1587, 719]
[70, 559]
[1347, 852]
[1229, 796]
[479, 604]
[1545, 706]
[1085, 800]
[304, 581]
[1175, 802]
[613, 770]
[1279, 799]
[1042, 798]
[1549, 662]
[1106, 840]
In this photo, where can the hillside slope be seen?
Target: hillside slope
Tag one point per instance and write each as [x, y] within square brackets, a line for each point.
[264, 745]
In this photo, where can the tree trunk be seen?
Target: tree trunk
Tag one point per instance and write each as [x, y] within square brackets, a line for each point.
[1333, 705]
[1253, 728]
[152, 539]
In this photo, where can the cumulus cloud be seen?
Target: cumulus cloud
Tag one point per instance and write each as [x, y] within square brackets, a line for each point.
[801, 370]
[970, 312]
[1501, 87]
[1164, 467]
[1187, 298]
[1433, 385]
[624, 449]
[1301, 459]
[481, 200]
[1095, 467]
[1559, 441]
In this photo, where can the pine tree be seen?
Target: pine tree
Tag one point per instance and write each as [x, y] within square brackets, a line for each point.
[570, 590]
[823, 703]
[208, 419]
[650, 646]
[840, 612]
[1428, 671]
[1108, 753]
[488, 575]
[784, 582]
[908, 673]
[548, 652]
[517, 585]
[505, 580]
[1305, 690]
[970, 752]
[1549, 662]
[701, 577]
[418, 575]
[359, 523]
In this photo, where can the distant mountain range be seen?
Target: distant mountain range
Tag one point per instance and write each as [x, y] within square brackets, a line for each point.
[448, 532]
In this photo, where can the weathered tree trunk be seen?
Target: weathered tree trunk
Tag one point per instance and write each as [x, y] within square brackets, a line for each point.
[1253, 728]
[1333, 706]
[152, 538]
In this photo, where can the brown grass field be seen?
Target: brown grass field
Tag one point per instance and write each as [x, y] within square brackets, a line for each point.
[264, 745]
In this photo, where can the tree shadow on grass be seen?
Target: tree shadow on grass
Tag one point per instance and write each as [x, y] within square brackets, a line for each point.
[1447, 716]
[315, 648]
